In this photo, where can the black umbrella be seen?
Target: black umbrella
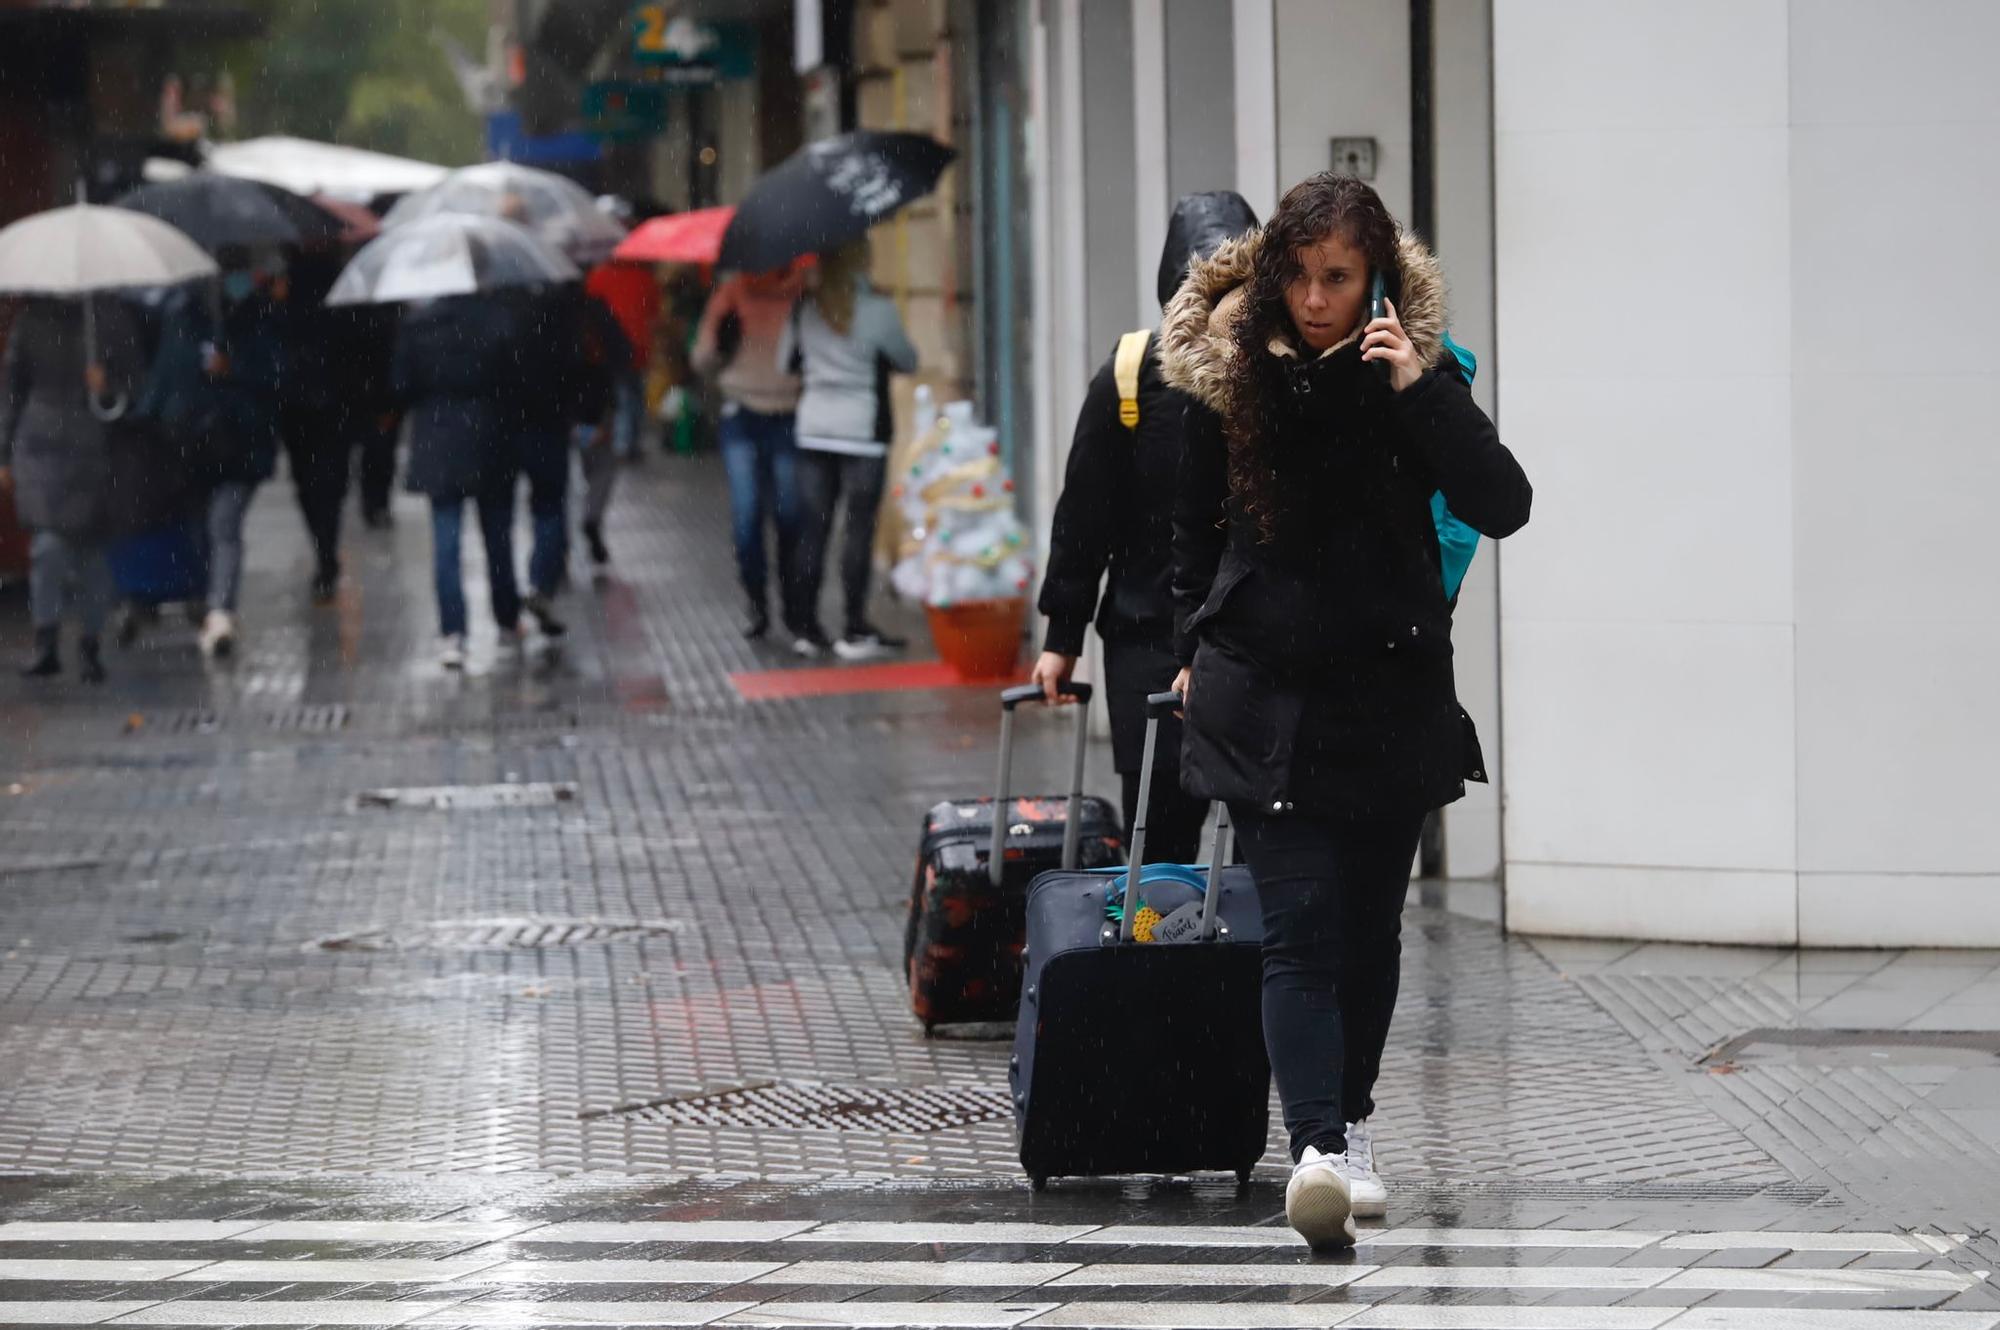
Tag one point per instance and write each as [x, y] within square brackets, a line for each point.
[828, 193]
[220, 211]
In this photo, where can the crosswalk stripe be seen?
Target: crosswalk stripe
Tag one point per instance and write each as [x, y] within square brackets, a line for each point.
[750, 1232]
[948, 1233]
[944, 1274]
[1185, 1235]
[887, 1315]
[1197, 1276]
[1717, 1279]
[1629, 1239]
[1835, 1242]
[986, 1274]
[667, 1230]
[619, 1272]
[271, 1312]
[64, 1313]
[1030, 1315]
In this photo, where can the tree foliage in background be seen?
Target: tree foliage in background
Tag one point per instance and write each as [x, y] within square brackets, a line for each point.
[362, 72]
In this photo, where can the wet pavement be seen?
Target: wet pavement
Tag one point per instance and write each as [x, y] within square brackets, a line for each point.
[337, 989]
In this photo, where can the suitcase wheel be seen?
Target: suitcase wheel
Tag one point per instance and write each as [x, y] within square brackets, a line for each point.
[1243, 1174]
[930, 1030]
[1039, 1183]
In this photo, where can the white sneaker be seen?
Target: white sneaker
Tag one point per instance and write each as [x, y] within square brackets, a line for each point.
[1364, 1184]
[218, 633]
[451, 651]
[1318, 1203]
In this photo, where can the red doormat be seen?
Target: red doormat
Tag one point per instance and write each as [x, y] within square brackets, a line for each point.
[835, 680]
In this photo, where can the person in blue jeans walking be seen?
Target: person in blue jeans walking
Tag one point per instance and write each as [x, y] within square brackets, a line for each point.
[737, 341]
[455, 361]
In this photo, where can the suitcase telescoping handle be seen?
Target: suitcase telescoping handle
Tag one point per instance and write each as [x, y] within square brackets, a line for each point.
[1072, 827]
[1158, 705]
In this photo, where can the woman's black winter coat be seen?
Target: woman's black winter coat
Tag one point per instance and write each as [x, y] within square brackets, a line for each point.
[1322, 657]
[456, 369]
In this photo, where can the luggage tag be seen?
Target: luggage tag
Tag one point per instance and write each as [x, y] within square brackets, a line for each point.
[1183, 925]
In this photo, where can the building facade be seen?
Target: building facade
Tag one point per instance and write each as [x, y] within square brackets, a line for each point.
[1723, 262]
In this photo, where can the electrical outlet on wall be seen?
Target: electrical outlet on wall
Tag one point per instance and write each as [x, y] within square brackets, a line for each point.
[1355, 157]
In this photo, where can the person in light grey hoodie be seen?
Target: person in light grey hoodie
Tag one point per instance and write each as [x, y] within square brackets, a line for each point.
[843, 340]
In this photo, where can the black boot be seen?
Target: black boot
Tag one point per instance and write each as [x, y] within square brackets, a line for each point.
[593, 535]
[47, 661]
[92, 668]
[756, 620]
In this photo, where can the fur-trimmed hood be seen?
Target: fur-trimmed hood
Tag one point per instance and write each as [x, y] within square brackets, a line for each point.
[1197, 334]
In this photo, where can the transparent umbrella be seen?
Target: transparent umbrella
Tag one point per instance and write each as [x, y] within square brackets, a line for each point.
[559, 211]
[447, 255]
[72, 253]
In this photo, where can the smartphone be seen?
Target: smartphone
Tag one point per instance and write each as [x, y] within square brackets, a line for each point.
[1378, 306]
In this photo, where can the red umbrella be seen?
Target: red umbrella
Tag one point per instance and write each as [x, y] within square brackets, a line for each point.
[682, 237]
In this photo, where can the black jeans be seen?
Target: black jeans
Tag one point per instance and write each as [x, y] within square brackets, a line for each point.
[318, 456]
[826, 479]
[1332, 892]
[378, 467]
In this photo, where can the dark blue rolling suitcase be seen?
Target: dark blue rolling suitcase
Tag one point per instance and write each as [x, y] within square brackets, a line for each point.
[168, 562]
[1143, 1057]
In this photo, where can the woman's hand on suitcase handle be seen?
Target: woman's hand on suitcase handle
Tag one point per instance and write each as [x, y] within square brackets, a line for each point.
[1052, 671]
[1182, 682]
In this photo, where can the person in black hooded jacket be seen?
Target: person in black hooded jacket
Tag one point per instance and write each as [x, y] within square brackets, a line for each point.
[1116, 514]
[1315, 634]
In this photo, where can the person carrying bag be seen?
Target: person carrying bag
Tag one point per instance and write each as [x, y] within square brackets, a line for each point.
[1315, 627]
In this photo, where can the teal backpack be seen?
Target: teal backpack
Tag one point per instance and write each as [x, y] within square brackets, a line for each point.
[1456, 541]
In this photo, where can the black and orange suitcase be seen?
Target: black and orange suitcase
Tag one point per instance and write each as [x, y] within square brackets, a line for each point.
[968, 904]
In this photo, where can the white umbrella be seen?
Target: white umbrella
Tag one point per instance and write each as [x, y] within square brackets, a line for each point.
[559, 211]
[76, 251]
[308, 167]
[447, 255]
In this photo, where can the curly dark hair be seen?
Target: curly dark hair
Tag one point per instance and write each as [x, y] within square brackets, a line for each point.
[1258, 396]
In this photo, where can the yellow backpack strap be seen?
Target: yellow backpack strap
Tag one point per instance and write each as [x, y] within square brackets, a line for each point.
[1125, 372]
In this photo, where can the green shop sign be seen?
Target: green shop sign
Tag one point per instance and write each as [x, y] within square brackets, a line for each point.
[624, 109]
[683, 51]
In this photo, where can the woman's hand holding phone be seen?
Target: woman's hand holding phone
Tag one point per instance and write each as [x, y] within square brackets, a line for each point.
[1385, 340]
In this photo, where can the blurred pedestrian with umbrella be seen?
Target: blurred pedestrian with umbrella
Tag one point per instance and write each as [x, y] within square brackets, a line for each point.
[458, 356]
[226, 377]
[263, 334]
[843, 341]
[73, 360]
[557, 211]
[829, 193]
[737, 342]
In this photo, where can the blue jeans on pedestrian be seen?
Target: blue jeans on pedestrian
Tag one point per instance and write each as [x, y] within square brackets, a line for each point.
[760, 453]
[227, 504]
[545, 462]
[495, 504]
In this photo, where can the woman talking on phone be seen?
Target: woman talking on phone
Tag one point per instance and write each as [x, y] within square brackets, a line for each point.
[1314, 633]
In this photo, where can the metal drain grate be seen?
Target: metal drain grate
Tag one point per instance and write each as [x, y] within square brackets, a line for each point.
[1859, 1047]
[810, 1106]
[471, 798]
[201, 720]
[495, 935]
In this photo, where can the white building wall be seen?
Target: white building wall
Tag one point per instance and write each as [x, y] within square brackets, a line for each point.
[1746, 640]
[1894, 111]
[1462, 119]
